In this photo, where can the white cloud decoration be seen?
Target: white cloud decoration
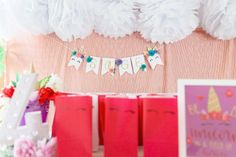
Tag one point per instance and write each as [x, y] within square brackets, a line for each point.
[71, 19]
[31, 14]
[163, 21]
[167, 21]
[114, 18]
[218, 18]
[9, 28]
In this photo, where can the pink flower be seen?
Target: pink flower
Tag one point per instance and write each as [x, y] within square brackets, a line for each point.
[24, 148]
[46, 149]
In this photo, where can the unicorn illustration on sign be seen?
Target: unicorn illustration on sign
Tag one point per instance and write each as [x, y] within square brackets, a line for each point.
[210, 119]
[214, 108]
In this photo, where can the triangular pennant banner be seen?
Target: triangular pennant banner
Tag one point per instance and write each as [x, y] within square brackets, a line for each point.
[154, 60]
[130, 65]
[126, 66]
[93, 65]
[138, 63]
[108, 65]
[75, 61]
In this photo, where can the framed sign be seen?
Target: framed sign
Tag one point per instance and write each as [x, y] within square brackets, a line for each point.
[207, 118]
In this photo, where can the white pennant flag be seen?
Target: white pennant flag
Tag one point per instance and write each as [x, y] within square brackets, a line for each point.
[155, 60]
[75, 61]
[137, 62]
[93, 65]
[107, 65]
[125, 66]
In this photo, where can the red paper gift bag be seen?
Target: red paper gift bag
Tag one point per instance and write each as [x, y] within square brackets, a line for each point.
[121, 129]
[140, 121]
[101, 117]
[58, 94]
[160, 127]
[140, 117]
[74, 126]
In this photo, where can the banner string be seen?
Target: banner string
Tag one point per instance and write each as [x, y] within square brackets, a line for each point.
[81, 49]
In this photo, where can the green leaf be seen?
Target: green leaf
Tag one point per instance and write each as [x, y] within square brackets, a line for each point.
[13, 83]
[17, 77]
[44, 81]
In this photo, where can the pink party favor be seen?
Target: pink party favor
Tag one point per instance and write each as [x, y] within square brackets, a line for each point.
[121, 129]
[73, 126]
[160, 128]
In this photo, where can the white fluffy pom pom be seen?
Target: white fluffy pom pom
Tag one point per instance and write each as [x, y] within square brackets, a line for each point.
[8, 27]
[71, 18]
[114, 18]
[167, 21]
[218, 18]
[31, 14]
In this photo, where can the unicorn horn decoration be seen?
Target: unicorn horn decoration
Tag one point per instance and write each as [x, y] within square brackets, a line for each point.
[32, 69]
[213, 101]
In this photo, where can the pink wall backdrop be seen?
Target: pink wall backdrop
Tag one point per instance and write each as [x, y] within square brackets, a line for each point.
[197, 56]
